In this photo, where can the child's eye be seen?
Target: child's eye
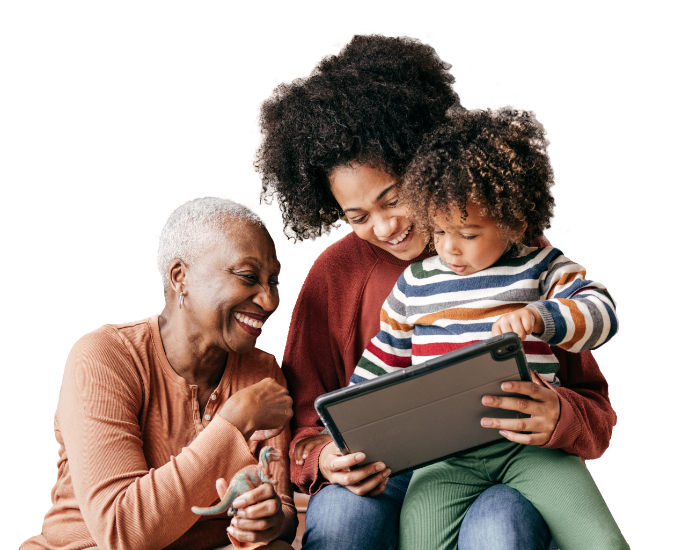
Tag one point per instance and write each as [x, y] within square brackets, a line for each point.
[468, 237]
[357, 220]
[439, 232]
[394, 203]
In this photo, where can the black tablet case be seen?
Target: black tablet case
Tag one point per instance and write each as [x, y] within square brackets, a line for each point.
[423, 414]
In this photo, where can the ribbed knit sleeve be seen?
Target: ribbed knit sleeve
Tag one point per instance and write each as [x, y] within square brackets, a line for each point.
[578, 314]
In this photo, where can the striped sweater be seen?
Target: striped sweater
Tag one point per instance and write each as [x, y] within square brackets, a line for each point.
[432, 311]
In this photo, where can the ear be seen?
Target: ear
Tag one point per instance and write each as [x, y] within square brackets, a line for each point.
[518, 233]
[177, 276]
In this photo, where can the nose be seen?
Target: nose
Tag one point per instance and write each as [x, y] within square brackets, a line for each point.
[384, 226]
[267, 298]
[451, 246]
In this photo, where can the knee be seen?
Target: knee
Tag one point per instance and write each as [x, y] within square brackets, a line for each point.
[502, 518]
[337, 518]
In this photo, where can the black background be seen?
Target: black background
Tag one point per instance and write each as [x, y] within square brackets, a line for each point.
[129, 125]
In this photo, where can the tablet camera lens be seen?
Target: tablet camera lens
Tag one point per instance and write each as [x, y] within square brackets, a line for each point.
[512, 347]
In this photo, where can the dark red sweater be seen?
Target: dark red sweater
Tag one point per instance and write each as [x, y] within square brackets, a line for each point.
[337, 314]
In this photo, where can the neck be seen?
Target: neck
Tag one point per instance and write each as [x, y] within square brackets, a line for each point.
[188, 353]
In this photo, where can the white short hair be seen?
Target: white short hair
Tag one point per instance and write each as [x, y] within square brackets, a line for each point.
[195, 227]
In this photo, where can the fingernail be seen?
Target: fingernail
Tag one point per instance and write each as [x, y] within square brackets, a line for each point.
[486, 422]
[360, 456]
[230, 530]
[379, 467]
[305, 455]
[487, 399]
[238, 503]
[298, 462]
[507, 386]
[502, 432]
[386, 474]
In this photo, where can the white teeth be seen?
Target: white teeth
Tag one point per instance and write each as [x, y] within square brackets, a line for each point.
[401, 237]
[250, 322]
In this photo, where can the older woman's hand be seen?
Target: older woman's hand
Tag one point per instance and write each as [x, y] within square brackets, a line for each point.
[543, 408]
[367, 480]
[306, 445]
[259, 518]
[262, 406]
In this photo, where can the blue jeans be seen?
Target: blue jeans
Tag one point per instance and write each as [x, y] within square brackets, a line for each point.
[501, 518]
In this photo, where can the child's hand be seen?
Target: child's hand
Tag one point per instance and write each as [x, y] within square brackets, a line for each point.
[306, 445]
[522, 321]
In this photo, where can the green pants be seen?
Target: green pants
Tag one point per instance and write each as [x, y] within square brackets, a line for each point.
[557, 483]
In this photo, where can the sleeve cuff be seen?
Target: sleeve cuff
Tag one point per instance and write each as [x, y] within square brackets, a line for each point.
[549, 324]
[311, 474]
[567, 430]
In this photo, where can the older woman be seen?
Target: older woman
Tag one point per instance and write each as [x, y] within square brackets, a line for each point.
[152, 413]
[334, 147]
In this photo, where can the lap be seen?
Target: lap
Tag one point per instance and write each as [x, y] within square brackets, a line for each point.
[337, 518]
[440, 496]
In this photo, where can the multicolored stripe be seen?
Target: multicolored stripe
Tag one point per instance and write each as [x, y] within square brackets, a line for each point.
[432, 311]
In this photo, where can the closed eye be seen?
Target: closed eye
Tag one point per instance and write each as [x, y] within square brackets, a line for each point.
[468, 237]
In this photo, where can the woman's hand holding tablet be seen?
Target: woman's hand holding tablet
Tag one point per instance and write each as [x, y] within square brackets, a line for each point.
[369, 480]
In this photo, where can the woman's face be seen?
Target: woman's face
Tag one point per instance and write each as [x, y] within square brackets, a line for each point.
[232, 289]
[369, 198]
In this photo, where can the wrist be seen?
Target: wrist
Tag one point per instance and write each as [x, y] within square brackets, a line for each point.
[322, 456]
[537, 319]
[235, 415]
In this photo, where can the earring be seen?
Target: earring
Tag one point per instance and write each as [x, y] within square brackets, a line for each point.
[180, 300]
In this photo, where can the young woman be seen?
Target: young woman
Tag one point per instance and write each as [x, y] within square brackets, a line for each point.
[334, 146]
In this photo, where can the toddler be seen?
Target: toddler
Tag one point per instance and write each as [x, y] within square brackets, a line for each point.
[481, 186]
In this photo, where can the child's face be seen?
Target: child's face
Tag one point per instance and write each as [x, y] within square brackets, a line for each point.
[471, 245]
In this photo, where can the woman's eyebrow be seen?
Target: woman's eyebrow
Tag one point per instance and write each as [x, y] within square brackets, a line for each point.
[382, 194]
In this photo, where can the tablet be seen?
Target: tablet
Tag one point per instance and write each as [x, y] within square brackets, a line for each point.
[423, 414]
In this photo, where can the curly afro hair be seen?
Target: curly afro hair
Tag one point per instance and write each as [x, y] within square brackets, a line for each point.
[370, 104]
[494, 159]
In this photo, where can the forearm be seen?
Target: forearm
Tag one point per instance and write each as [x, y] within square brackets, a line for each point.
[117, 495]
[582, 323]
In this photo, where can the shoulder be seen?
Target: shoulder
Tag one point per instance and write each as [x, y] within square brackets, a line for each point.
[340, 271]
[348, 254]
[107, 357]
[114, 346]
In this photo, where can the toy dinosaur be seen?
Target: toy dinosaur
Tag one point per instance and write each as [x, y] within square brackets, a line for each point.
[249, 477]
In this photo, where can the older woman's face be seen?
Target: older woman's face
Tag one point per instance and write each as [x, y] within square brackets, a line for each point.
[369, 198]
[232, 289]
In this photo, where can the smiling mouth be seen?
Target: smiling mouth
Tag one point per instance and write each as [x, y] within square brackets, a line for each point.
[402, 236]
[248, 321]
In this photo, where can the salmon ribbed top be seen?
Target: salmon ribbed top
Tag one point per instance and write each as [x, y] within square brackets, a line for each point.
[135, 455]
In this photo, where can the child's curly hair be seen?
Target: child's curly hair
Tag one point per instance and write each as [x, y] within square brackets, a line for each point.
[371, 104]
[495, 159]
